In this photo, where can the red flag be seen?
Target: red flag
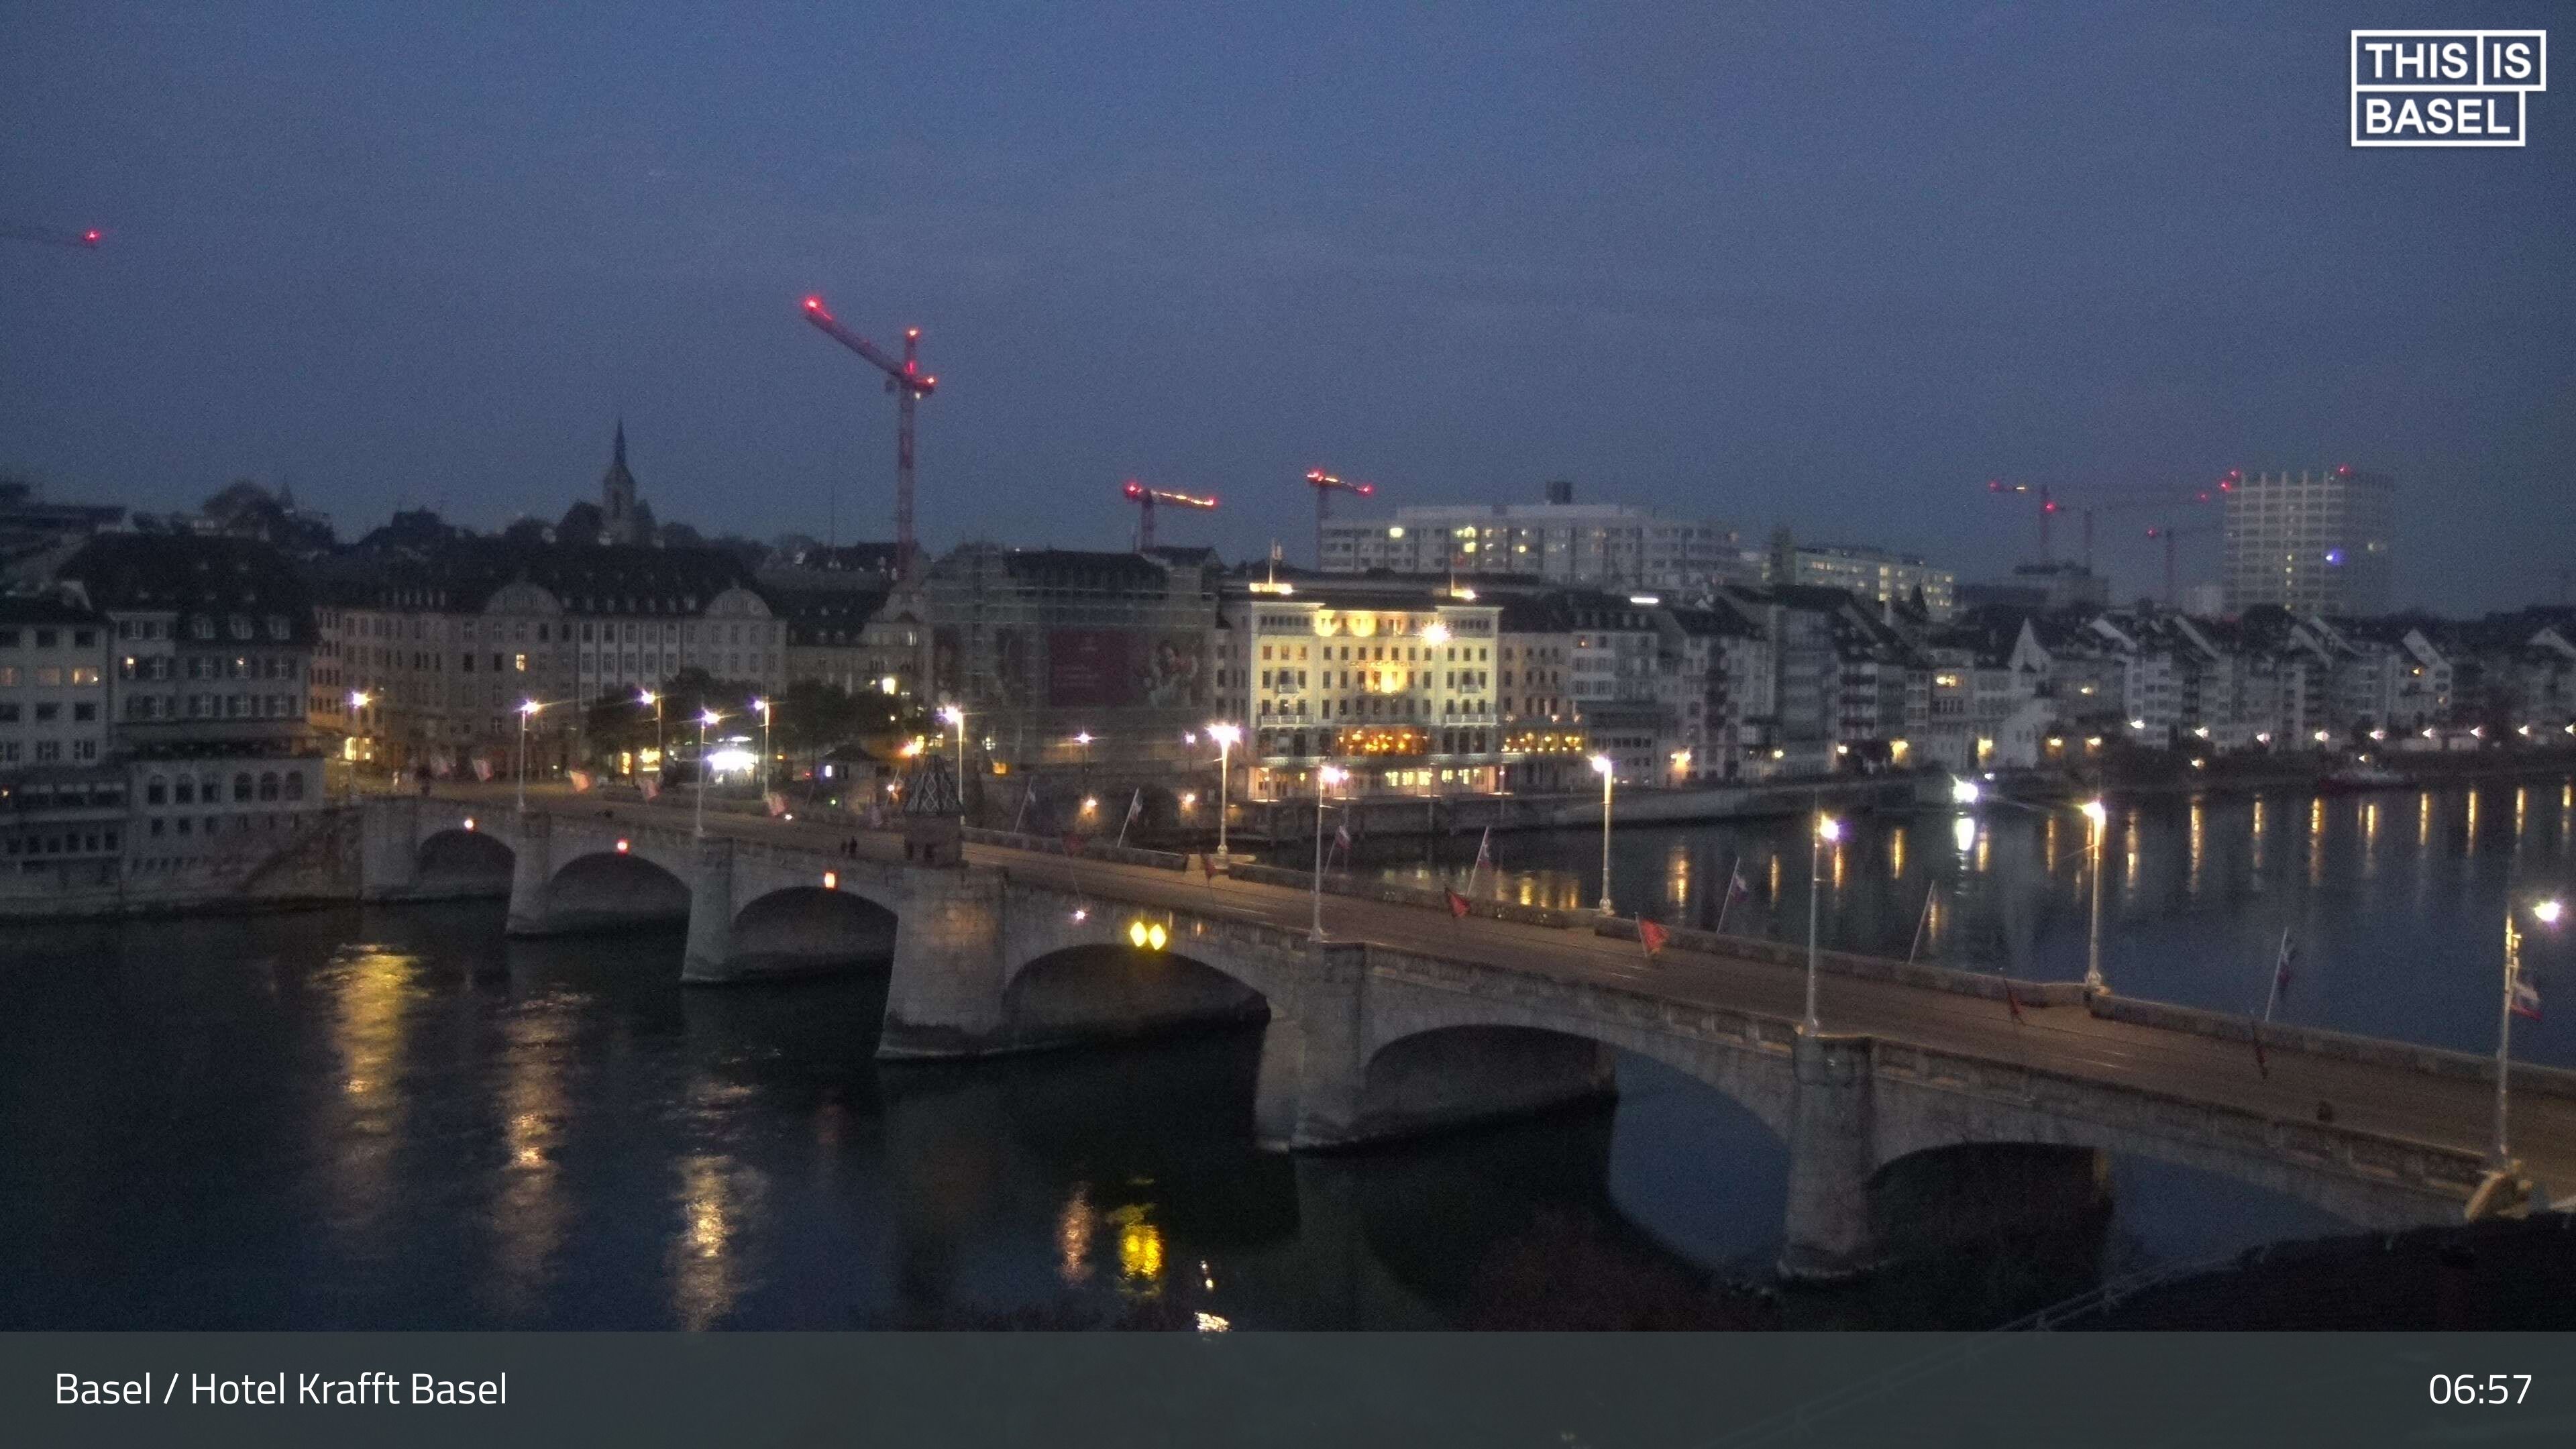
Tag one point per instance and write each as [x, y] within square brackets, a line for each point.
[1653, 935]
[1457, 903]
[2255, 1034]
[2012, 1003]
[2526, 998]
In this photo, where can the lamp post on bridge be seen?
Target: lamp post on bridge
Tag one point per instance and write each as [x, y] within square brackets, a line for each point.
[1225, 735]
[527, 711]
[706, 719]
[956, 717]
[1325, 777]
[359, 699]
[646, 696]
[2547, 913]
[1608, 769]
[2098, 819]
[1828, 830]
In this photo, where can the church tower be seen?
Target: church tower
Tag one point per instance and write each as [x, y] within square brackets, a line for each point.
[620, 520]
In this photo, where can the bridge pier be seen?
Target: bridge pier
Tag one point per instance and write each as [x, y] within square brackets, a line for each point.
[388, 849]
[1313, 1055]
[1832, 1155]
[944, 998]
[708, 960]
[531, 874]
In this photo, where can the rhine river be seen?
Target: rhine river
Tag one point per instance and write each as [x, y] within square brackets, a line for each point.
[395, 1119]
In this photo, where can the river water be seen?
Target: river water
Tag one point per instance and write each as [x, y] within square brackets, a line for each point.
[393, 1118]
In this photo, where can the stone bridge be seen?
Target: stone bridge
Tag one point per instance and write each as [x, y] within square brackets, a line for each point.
[1374, 1035]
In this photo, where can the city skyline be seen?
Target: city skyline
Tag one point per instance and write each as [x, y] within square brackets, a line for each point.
[393, 266]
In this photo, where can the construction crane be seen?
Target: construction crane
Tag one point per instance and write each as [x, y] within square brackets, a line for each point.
[46, 236]
[1324, 485]
[2112, 499]
[1145, 498]
[2170, 535]
[909, 385]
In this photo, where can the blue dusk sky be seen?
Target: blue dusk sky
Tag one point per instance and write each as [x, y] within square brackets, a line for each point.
[1818, 265]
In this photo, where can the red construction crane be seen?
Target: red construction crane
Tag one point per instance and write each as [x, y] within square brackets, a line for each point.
[2109, 499]
[1324, 483]
[46, 236]
[1145, 498]
[906, 381]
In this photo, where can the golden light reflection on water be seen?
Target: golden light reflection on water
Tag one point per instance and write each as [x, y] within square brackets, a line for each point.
[1140, 1251]
[368, 1031]
[2470, 846]
[2317, 841]
[1772, 892]
[1963, 834]
[2424, 820]
[1677, 873]
[2258, 832]
[530, 1215]
[708, 1271]
[1896, 853]
[2198, 835]
[2369, 838]
[1074, 1227]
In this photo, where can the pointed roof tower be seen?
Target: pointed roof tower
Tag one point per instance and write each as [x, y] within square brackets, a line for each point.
[621, 520]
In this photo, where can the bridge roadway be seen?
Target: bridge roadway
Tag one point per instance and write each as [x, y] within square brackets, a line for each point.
[2446, 1111]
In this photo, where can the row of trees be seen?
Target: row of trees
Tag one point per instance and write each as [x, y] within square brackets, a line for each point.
[808, 719]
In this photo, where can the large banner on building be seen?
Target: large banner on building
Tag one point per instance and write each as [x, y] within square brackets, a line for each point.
[1091, 669]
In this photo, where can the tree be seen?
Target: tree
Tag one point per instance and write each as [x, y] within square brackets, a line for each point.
[531, 532]
[813, 716]
[582, 524]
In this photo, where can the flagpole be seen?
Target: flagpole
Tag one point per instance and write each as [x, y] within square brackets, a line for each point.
[1728, 904]
[2280, 959]
[1921, 921]
[1135, 802]
[2504, 1030]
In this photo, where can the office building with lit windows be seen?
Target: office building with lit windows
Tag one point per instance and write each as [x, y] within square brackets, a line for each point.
[1595, 545]
[2317, 543]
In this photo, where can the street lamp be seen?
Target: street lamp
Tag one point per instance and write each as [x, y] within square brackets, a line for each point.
[358, 700]
[1326, 777]
[762, 705]
[1225, 735]
[706, 720]
[2547, 913]
[1828, 830]
[1608, 769]
[646, 696]
[957, 717]
[527, 711]
[2099, 818]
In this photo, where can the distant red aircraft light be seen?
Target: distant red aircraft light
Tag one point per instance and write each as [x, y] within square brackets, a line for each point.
[89, 238]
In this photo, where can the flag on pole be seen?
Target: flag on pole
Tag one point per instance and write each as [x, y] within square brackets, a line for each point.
[1485, 851]
[2526, 997]
[1457, 903]
[2281, 972]
[1736, 889]
[776, 802]
[651, 784]
[1342, 840]
[1136, 803]
[2012, 1002]
[2255, 1035]
[1207, 863]
[580, 780]
[1653, 936]
[483, 771]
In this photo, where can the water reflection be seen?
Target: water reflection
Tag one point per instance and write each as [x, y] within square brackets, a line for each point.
[437, 1130]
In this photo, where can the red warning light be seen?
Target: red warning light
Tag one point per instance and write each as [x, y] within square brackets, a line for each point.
[813, 304]
[912, 334]
[1365, 489]
[1135, 489]
[2343, 468]
[2049, 507]
[90, 238]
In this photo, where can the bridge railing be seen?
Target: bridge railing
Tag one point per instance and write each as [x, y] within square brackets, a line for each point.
[1085, 850]
[1957, 980]
[2342, 1046]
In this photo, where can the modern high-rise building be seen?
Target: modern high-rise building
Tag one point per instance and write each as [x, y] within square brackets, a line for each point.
[2317, 543]
[1598, 545]
[1873, 574]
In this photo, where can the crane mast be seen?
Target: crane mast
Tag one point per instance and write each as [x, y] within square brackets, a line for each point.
[906, 381]
[1325, 485]
[1145, 498]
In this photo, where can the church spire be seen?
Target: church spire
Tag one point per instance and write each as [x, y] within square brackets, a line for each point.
[617, 450]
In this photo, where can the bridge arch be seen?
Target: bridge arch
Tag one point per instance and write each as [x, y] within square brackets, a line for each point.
[457, 859]
[1105, 990]
[803, 928]
[1915, 1128]
[610, 888]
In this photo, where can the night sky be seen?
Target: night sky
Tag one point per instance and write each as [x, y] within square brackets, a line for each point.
[1810, 265]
